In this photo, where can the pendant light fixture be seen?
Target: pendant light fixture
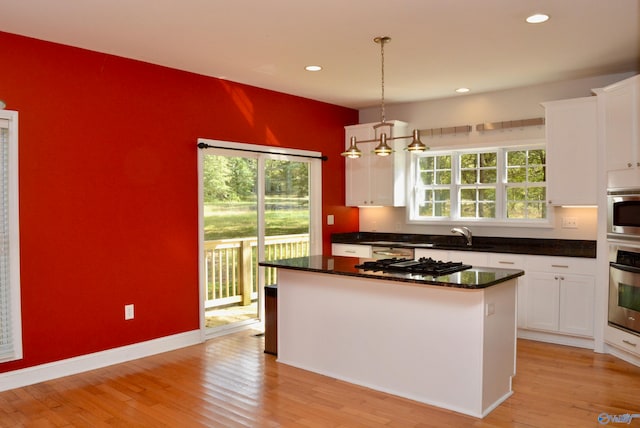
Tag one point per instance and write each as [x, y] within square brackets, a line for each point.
[383, 149]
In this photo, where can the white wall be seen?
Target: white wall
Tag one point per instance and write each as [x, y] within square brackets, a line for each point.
[472, 109]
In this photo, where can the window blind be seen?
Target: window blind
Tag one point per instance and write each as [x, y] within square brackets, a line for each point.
[10, 325]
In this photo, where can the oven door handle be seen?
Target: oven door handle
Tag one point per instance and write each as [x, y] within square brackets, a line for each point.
[625, 268]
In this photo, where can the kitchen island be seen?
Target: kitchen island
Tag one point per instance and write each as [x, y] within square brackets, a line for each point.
[448, 341]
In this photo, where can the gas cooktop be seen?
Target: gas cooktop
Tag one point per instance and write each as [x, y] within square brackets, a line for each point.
[422, 266]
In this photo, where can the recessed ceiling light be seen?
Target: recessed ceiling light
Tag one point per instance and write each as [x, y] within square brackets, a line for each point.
[537, 18]
[462, 90]
[313, 68]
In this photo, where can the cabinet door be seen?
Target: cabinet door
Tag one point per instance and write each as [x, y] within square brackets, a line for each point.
[357, 170]
[577, 296]
[381, 183]
[513, 261]
[572, 141]
[620, 121]
[543, 301]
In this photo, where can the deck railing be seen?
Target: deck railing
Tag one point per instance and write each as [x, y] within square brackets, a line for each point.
[231, 266]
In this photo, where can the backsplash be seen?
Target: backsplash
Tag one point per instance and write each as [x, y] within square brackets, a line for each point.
[579, 223]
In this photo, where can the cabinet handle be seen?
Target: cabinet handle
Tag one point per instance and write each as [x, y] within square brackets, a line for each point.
[629, 165]
[555, 277]
[629, 343]
[560, 266]
[350, 251]
[505, 262]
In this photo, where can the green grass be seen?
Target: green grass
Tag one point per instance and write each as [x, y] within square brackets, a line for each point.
[232, 220]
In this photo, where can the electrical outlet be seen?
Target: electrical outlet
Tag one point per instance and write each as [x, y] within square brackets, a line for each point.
[569, 222]
[128, 312]
[330, 220]
[490, 309]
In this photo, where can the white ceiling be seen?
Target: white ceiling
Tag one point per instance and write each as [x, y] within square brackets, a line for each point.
[437, 45]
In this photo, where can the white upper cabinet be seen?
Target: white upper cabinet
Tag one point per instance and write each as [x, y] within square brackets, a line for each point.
[572, 141]
[620, 107]
[376, 180]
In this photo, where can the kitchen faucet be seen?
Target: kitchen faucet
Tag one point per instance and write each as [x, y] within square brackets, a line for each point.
[464, 231]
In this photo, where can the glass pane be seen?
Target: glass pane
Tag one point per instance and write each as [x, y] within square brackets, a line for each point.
[442, 209]
[515, 193]
[427, 177]
[469, 160]
[467, 194]
[468, 209]
[516, 175]
[487, 210]
[426, 163]
[488, 176]
[515, 209]
[488, 159]
[516, 158]
[286, 205]
[537, 193]
[537, 157]
[230, 233]
[537, 174]
[468, 177]
[444, 177]
[444, 162]
[487, 194]
[426, 210]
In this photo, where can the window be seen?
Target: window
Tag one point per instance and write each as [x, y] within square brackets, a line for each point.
[493, 185]
[10, 326]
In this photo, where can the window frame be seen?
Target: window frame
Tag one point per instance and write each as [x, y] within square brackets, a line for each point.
[413, 188]
[12, 349]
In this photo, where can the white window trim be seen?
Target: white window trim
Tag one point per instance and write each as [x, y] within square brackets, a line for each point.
[14, 352]
[503, 146]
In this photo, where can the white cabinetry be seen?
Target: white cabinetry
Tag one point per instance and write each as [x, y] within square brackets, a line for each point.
[513, 261]
[572, 139]
[472, 258]
[376, 180]
[351, 250]
[620, 110]
[560, 295]
[630, 343]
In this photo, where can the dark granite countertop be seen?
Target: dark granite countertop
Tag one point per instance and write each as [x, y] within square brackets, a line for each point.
[472, 279]
[533, 246]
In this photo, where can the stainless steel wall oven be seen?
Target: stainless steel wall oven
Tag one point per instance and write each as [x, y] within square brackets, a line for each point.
[624, 288]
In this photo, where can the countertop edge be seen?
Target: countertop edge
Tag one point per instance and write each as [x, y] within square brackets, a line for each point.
[416, 281]
[578, 248]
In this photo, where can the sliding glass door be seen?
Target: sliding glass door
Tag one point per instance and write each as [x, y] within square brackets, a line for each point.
[255, 206]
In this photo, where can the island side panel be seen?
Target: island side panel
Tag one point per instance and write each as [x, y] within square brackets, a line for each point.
[500, 330]
[420, 342]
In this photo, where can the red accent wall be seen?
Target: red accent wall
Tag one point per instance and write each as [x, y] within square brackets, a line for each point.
[108, 187]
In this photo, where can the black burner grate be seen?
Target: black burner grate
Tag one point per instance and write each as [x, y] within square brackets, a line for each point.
[422, 266]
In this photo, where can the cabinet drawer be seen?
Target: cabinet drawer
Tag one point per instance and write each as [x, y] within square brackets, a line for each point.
[351, 250]
[584, 266]
[506, 261]
[623, 340]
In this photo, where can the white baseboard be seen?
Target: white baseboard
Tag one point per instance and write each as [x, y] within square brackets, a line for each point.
[44, 372]
[558, 339]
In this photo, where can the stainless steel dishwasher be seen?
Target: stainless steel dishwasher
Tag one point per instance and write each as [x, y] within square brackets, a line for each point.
[392, 252]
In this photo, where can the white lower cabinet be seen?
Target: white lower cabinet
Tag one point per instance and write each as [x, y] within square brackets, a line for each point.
[560, 295]
[351, 250]
[513, 261]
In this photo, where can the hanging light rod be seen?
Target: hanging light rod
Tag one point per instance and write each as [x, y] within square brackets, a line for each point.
[383, 149]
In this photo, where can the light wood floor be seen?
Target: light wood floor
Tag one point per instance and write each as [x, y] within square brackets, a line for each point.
[230, 382]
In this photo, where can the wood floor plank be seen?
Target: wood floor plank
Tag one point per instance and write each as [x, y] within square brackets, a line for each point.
[230, 382]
